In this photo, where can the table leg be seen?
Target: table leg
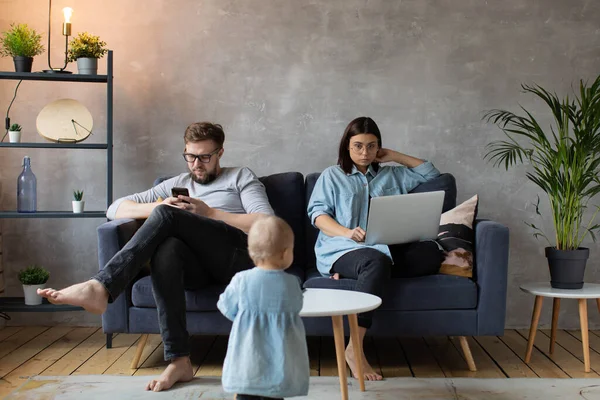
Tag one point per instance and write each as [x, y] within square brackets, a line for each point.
[583, 321]
[555, 311]
[535, 319]
[353, 322]
[598, 304]
[139, 351]
[338, 336]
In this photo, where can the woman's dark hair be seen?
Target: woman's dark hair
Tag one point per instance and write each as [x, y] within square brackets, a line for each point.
[358, 126]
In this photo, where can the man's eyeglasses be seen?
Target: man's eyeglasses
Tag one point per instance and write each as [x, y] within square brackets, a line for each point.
[359, 147]
[204, 158]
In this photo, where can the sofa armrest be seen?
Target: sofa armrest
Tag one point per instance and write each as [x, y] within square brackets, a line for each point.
[491, 274]
[112, 236]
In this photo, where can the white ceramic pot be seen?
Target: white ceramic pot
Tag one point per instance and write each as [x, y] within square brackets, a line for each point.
[31, 296]
[87, 66]
[78, 206]
[14, 136]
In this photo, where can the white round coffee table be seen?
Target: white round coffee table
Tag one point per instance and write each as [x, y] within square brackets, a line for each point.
[541, 290]
[335, 304]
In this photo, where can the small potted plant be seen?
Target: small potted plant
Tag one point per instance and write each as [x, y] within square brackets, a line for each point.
[78, 203]
[22, 44]
[33, 278]
[14, 133]
[86, 49]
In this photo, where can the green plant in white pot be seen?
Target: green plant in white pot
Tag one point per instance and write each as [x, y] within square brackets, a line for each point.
[86, 49]
[14, 133]
[22, 44]
[78, 203]
[564, 161]
[33, 278]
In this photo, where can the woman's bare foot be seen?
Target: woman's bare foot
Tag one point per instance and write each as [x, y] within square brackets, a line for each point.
[90, 295]
[369, 373]
[179, 370]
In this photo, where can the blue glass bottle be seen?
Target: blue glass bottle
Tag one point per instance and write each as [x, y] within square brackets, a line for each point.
[26, 189]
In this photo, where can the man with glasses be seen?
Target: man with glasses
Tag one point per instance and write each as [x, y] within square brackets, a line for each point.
[191, 241]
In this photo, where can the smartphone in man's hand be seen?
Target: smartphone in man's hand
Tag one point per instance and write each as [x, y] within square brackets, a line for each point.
[176, 191]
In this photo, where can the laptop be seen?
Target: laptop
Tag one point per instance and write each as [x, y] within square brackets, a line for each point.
[404, 218]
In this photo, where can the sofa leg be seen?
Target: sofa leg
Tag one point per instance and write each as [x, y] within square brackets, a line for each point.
[139, 351]
[464, 344]
[109, 340]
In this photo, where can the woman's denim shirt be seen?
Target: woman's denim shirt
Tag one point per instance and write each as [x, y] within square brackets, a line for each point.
[345, 198]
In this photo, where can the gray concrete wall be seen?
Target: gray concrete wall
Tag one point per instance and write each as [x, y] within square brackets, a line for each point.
[284, 78]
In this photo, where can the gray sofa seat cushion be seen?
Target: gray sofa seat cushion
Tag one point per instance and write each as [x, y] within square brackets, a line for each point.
[434, 292]
[204, 299]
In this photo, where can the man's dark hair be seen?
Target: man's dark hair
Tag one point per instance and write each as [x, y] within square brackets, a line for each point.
[358, 126]
[200, 131]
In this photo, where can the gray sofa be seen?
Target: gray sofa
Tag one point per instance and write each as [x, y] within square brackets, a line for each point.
[433, 305]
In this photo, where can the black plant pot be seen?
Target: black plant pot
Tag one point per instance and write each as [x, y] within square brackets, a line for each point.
[23, 64]
[567, 267]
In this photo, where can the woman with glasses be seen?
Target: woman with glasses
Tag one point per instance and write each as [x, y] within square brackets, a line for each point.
[339, 206]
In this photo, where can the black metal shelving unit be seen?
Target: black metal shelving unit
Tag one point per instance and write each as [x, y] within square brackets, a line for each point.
[16, 303]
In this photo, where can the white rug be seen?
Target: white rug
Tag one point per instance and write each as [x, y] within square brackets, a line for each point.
[90, 387]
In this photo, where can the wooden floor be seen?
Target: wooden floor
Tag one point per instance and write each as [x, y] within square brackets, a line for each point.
[27, 351]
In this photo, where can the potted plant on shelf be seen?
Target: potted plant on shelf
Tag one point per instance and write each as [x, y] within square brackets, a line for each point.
[564, 161]
[33, 278]
[14, 133]
[78, 203]
[22, 44]
[86, 49]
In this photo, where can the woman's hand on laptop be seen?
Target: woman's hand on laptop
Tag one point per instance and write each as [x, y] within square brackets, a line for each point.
[357, 234]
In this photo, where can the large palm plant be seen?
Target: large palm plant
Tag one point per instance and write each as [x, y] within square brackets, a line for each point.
[565, 159]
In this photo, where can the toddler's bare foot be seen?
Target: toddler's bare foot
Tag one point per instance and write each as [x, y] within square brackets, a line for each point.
[90, 295]
[335, 276]
[368, 372]
[179, 370]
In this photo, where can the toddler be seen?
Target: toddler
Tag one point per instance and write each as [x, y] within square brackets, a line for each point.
[266, 356]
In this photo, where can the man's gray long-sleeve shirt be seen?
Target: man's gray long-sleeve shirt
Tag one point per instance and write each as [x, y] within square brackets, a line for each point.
[236, 190]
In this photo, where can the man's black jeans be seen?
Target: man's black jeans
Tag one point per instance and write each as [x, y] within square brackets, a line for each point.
[372, 269]
[186, 251]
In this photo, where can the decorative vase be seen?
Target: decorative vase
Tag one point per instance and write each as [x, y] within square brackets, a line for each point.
[14, 136]
[78, 206]
[31, 296]
[567, 267]
[23, 64]
[87, 66]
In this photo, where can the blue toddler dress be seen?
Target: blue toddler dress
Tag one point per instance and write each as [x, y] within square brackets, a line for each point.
[266, 354]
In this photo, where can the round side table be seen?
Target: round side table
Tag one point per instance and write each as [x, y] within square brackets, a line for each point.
[541, 290]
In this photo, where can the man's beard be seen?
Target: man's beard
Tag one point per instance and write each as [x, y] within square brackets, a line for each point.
[208, 178]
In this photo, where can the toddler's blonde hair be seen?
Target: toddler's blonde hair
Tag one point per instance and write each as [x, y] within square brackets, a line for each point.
[268, 238]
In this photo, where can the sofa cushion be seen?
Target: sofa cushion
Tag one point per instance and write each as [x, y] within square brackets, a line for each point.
[433, 292]
[286, 195]
[457, 237]
[204, 299]
[445, 182]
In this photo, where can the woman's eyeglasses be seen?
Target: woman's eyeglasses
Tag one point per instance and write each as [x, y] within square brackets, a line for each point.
[359, 147]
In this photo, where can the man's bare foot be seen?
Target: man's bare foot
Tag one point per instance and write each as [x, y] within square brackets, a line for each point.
[368, 372]
[90, 295]
[179, 370]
